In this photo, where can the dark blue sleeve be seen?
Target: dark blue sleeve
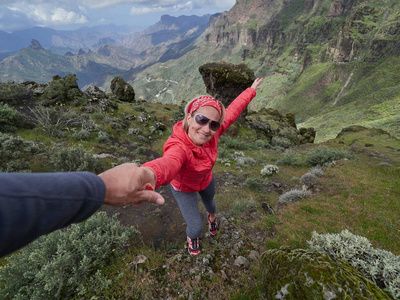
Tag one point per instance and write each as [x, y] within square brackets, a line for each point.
[35, 204]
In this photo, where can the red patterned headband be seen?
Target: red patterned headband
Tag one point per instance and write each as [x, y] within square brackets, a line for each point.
[204, 101]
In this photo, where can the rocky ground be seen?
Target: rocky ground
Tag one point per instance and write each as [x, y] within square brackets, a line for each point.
[227, 259]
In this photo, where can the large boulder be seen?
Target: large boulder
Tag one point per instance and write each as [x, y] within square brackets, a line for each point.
[279, 128]
[123, 90]
[303, 274]
[226, 81]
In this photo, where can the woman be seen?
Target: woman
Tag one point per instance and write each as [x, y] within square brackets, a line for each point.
[189, 156]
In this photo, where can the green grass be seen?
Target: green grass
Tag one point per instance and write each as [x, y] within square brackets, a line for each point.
[362, 202]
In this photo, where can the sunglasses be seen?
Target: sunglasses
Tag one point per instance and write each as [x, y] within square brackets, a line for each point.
[203, 121]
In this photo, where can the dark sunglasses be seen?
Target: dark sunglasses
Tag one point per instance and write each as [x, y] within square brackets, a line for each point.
[203, 121]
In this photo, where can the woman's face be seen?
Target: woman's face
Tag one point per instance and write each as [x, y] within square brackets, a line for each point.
[202, 134]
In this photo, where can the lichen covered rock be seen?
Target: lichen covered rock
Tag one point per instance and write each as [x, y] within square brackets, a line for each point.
[123, 90]
[273, 124]
[303, 274]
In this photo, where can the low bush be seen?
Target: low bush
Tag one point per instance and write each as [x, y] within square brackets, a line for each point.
[240, 144]
[323, 154]
[293, 196]
[14, 93]
[380, 266]
[15, 154]
[65, 264]
[73, 159]
[291, 158]
[269, 170]
[281, 142]
[256, 184]
[63, 90]
[246, 162]
[8, 118]
[309, 180]
[317, 171]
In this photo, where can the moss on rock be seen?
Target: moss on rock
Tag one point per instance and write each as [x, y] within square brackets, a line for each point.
[303, 274]
[271, 123]
[225, 81]
[123, 90]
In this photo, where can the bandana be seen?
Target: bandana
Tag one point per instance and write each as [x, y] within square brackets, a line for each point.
[204, 101]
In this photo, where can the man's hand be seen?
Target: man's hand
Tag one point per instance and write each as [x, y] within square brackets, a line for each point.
[256, 83]
[128, 184]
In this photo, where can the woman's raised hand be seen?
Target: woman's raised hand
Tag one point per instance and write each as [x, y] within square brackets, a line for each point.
[256, 83]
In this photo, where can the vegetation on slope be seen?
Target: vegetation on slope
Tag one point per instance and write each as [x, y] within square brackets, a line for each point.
[358, 194]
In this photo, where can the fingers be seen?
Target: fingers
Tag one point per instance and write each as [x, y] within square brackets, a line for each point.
[256, 83]
[128, 184]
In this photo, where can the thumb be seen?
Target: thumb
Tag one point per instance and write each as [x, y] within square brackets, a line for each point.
[151, 197]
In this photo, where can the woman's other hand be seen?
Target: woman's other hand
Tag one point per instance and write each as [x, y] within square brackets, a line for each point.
[256, 83]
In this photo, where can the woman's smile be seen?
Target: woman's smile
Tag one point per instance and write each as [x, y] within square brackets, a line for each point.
[202, 134]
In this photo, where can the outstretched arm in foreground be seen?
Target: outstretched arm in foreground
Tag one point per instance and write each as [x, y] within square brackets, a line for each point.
[35, 204]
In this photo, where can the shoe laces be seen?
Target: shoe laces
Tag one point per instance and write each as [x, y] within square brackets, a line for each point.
[193, 243]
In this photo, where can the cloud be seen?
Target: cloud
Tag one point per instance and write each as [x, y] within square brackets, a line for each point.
[146, 6]
[48, 14]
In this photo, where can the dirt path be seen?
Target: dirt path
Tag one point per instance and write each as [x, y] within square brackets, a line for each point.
[158, 225]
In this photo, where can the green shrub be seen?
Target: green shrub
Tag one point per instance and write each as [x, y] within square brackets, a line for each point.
[380, 266]
[103, 138]
[63, 90]
[281, 142]
[8, 118]
[14, 93]
[73, 159]
[15, 154]
[66, 263]
[240, 144]
[256, 184]
[291, 158]
[323, 154]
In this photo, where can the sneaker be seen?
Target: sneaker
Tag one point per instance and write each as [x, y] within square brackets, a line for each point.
[193, 246]
[213, 226]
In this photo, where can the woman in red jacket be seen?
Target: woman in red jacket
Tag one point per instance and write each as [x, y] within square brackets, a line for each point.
[190, 154]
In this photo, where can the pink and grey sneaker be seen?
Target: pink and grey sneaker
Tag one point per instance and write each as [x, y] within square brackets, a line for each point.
[193, 246]
[213, 226]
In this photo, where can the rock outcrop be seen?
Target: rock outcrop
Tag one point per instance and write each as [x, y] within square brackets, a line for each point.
[278, 128]
[35, 45]
[123, 90]
[226, 81]
[303, 274]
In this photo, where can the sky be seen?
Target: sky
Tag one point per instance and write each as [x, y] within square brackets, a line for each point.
[72, 14]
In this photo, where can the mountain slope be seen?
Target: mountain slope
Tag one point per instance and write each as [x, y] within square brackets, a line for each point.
[332, 63]
[43, 65]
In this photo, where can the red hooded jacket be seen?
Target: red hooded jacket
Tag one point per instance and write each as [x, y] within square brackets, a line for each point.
[186, 166]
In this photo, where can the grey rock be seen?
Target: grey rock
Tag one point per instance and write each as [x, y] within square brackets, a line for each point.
[242, 261]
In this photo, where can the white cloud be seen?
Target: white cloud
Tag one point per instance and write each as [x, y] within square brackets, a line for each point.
[22, 13]
[50, 15]
[61, 16]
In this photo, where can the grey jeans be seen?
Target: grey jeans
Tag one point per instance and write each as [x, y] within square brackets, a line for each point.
[188, 205]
